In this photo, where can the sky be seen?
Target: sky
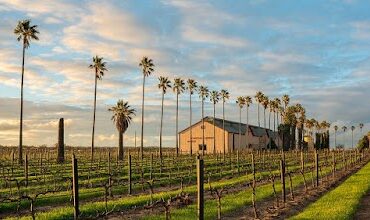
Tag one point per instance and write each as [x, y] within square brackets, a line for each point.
[316, 51]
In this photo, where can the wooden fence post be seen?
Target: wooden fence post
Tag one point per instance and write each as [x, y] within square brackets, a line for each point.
[317, 167]
[129, 174]
[282, 173]
[200, 187]
[75, 187]
[60, 147]
[26, 170]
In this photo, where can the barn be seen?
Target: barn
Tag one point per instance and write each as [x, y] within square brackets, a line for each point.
[255, 138]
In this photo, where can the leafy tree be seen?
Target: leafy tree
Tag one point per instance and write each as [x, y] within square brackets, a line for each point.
[147, 68]
[363, 143]
[122, 117]
[25, 32]
[163, 85]
[99, 68]
[191, 87]
[178, 88]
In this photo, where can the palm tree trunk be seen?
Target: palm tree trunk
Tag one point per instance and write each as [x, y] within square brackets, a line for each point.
[20, 147]
[160, 131]
[223, 125]
[352, 139]
[120, 145]
[177, 124]
[335, 139]
[142, 122]
[202, 126]
[93, 130]
[247, 130]
[258, 114]
[240, 127]
[264, 118]
[191, 131]
[214, 129]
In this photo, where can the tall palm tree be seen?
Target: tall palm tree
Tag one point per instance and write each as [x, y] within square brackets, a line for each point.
[285, 100]
[147, 67]
[265, 104]
[271, 107]
[248, 102]
[344, 128]
[178, 88]
[122, 116]
[203, 94]
[278, 110]
[335, 135]
[25, 32]
[224, 96]
[361, 125]
[163, 85]
[214, 98]
[191, 87]
[352, 129]
[99, 68]
[241, 102]
[258, 97]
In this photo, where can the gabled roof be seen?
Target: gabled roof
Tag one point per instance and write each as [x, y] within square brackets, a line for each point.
[233, 127]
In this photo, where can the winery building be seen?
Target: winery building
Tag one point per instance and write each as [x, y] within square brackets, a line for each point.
[252, 138]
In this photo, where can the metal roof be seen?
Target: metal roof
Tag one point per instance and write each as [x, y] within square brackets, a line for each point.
[233, 127]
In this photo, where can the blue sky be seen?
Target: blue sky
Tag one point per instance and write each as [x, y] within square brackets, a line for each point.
[315, 51]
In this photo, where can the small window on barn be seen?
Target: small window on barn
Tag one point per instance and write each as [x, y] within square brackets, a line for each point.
[201, 147]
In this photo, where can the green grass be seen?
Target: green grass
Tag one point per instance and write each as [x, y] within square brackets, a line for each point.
[235, 201]
[343, 201]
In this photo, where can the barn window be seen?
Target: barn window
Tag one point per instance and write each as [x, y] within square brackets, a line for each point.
[201, 147]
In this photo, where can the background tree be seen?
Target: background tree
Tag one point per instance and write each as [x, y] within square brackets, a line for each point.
[214, 98]
[122, 117]
[335, 135]
[224, 96]
[147, 67]
[258, 97]
[241, 102]
[285, 100]
[344, 128]
[191, 87]
[361, 125]
[265, 104]
[248, 102]
[163, 85]
[178, 88]
[352, 129]
[99, 68]
[25, 32]
[203, 94]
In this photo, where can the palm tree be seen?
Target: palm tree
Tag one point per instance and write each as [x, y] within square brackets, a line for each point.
[335, 135]
[248, 102]
[258, 97]
[122, 116]
[214, 98]
[278, 110]
[203, 94]
[271, 107]
[285, 100]
[241, 102]
[191, 87]
[178, 88]
[99, 68]
[25, 32]
[147, 68]
[344, 128]
[361, 125]
[225, 96]
[265, 104]
[163, 85]
[352, 129]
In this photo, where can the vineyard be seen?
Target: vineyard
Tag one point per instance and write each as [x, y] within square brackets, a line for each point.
[256, 184]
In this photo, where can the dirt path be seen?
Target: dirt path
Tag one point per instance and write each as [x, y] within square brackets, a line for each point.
[363, 211]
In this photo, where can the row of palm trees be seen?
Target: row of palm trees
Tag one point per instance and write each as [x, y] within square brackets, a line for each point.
[293, 116]
[344, 128]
